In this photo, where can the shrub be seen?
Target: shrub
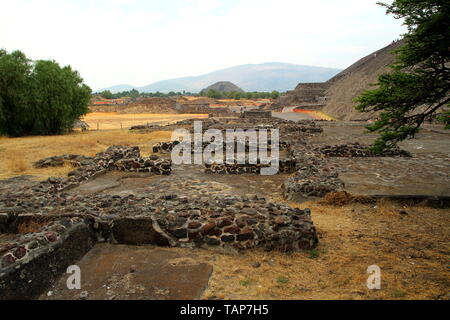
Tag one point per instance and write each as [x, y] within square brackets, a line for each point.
[39, 98]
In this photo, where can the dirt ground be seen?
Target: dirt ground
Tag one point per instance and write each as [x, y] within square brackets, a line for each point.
[113, 120]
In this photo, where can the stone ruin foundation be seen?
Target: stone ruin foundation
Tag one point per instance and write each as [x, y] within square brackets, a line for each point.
[70, 225]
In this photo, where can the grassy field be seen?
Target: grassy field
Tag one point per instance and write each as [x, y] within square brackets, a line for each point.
[113, 120]
[19, 154]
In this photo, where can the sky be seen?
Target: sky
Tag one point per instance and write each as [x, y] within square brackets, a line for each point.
[139, 42]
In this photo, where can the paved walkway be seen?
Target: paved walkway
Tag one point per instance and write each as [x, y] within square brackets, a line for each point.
[288, 114]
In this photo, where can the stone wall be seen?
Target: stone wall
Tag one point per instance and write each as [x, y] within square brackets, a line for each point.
[257, 114]
[33, 261]
[242, 222]
[356, 150]
[285, 166]
[166, 147]
[114, 158]
[311, 95]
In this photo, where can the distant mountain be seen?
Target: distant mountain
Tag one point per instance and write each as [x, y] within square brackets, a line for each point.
[250, 77]
[224, 86]
[118, 88]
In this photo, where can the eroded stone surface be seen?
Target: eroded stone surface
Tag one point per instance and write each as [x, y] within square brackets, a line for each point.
[120, 272]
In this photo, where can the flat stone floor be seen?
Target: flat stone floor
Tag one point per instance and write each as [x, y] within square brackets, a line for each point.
[120, 272]
[426, 174]
[293, 116]
[185, 180]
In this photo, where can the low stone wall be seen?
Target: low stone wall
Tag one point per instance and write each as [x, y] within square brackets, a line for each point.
[33, 261]
[257, 114]
[316, 177]
[285, 166]
[58, 161]
[118, 158]
[165, 147]
[239, 222]
[311, 182]
[354, 150]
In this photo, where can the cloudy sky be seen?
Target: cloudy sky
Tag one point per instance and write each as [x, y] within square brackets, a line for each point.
[138, 42]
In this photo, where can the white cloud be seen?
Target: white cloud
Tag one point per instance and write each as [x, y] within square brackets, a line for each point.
[138, 42]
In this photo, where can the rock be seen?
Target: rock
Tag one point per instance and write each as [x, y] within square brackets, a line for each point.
[208, 227]
[212, 241]
[84, 295]
[227, 238]
[246, 234]
[180, 233]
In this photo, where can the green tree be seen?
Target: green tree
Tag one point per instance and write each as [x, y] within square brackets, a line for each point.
[107, 94]
[417, 89]
[274, 95]
[39, 98]
[15, 117]
[59, 97]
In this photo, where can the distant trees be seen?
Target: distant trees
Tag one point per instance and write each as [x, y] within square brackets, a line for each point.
[418, 88]
[107, 94]
[213, 94]
[40, 97]
[136, 94]
[240, 95]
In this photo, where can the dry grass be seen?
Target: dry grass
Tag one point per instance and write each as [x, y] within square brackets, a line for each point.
[32, 226]
[412, 251]
[343, 198]
[114, 120]
[20, 153]
[15, 164]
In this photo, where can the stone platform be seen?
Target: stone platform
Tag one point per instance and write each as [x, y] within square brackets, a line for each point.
[121, 272]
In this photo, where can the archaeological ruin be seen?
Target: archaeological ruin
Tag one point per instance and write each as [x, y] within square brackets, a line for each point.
[58, 221]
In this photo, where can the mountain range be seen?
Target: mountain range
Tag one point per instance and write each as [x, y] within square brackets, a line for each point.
[250, 77]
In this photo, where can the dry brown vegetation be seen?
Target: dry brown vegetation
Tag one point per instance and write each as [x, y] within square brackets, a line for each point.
[410, 245]
[114, 120]
[32, 226]
[343, 198]
[19, 154]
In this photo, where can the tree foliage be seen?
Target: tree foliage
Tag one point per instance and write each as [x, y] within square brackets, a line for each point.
[214, 94]
[417, 88]
[39, 98]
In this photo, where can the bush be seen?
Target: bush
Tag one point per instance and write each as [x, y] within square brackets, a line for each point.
[39, 98]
